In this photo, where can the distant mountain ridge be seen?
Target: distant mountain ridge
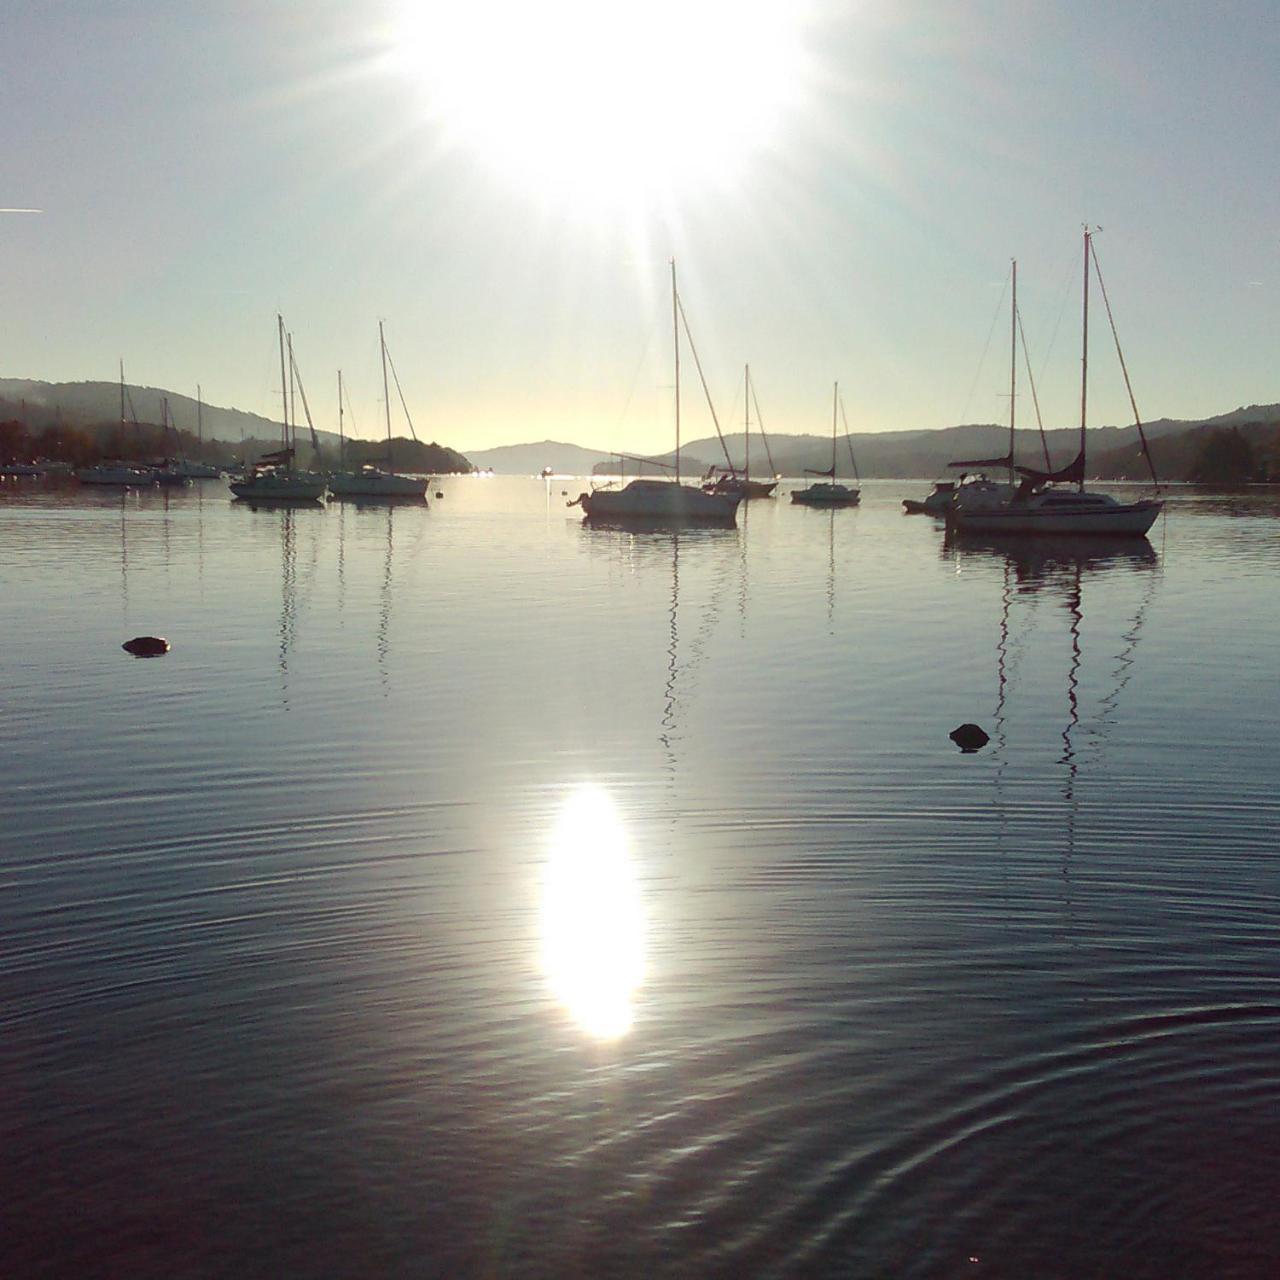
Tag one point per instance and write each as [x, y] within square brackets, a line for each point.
[95, 406]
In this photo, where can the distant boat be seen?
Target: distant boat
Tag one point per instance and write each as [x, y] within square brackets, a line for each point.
[20, 469]
[198, 470]
[741, 482]
[828, 493]
[1040, 508]
[371, 481]
[273, 478]
[662, 501]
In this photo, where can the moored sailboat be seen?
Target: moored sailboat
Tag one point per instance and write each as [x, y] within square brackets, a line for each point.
[1038, 507]
[371, 481]
[274, 478]
[828, 493]
[741, 482]
[662, 501]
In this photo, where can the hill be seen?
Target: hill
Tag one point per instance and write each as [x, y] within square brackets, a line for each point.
[88, 415]
[530, 459]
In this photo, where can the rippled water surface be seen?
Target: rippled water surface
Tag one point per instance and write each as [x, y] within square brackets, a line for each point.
[473, 893]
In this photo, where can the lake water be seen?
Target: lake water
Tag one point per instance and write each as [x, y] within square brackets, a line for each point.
[472, 893]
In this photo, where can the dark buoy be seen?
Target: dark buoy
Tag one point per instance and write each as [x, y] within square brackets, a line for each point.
[439, 494]
[146, 646]
[969, 737]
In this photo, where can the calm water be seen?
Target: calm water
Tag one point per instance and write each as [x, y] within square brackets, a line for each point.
[472, 893]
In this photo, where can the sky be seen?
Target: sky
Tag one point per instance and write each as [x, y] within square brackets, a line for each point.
[841, 185]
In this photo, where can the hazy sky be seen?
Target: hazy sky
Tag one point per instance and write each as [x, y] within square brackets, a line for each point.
[842, 185]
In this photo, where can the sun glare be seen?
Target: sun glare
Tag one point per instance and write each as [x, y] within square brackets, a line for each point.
[592, 930]
[607, 104]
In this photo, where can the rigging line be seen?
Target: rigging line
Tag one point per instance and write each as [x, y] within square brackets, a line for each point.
[1035, 399]
[306, 408]
[773, 470]
[848, 439]
[995, 315]
[706, 391]
[1124, 368]
[396, 378]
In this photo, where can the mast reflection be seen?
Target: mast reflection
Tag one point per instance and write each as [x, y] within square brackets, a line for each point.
[592, 923]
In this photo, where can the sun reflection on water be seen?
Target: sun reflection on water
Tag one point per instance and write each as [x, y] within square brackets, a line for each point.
[592, 924]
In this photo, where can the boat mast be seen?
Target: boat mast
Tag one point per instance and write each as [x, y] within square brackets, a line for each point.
[341, 445]
[199, 419]
[386, 394]
[746, 430]
[284, 388]
[675, 324]
[835, 408]
[1013, 365]
[1084, 357]
[292, 406]
[121, 397]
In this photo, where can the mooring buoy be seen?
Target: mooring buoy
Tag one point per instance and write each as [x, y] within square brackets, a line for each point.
[146, 646]
[969, 737]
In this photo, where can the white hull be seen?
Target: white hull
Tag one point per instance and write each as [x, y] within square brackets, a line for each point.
[1054, 512]
[298, 486]
[661, 500]
[375, 484]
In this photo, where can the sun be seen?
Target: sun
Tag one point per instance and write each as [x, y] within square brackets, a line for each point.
[604, 104]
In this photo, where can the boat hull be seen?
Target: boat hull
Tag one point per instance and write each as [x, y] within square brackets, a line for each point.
[660, 501]
[380, 484]
[300, 486]
[743, 488]
[1122, 519]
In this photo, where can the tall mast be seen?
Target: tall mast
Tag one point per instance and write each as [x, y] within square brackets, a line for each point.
[292, 407]
[675, 325]
[199, 418]
[121, 393]
[835, 408]
[341, 444]
[1013, 365]
[386, 394]
[746, 430]
[284, 388]
[1084, 357]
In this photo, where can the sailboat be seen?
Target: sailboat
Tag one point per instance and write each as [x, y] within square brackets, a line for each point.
[371, 481]
[663, 501]
[742, 483]
[273, 478]
[1038, 506]
[827, 493]
[198, 470]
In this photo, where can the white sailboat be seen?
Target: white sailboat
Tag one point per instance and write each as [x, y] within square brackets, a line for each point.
[1038, 506]
[828, 493]
[273, 478]
[371, 481]
[662, 501]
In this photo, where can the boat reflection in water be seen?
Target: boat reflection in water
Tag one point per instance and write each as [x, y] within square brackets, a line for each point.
[592, 923]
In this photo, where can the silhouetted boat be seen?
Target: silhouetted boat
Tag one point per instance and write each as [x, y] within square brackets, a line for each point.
[828, 493]
[371, 481]
[273, 478]
[663, 501]
[1038, 507]
[741, 483]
